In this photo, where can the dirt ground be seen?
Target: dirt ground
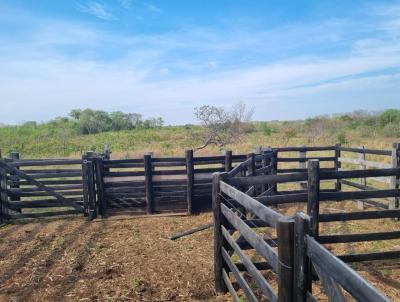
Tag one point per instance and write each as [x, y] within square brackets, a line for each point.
[108, 260]
[132, 259]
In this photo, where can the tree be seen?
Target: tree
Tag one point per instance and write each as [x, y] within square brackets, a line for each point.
[222, 127]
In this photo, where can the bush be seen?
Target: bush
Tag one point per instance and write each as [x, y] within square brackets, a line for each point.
[266, 128]
[391, 130]
[341, 138]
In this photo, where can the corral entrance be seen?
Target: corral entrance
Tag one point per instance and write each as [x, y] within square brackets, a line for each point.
[40, 188]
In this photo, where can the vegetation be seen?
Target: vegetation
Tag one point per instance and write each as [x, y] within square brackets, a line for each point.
[129, 134]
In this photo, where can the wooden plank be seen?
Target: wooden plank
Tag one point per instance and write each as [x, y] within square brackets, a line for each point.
[252, 238]
[313, 195]
[267, 179]
[285, 233]
[250, 267]
[51, 192]
[228, 160]
[359, 173]
[311, 148]
[340, 238]
[301, 277]
[190, 180]
[305, 159]
[359, 215]
[48, 162]
[394, 202]
[357, 286]
[148, 183]
[229, 286]
[362, 161]
[325, 196]
[44, 214]
[239, 278]
[263, 212]
[219, 220]
[367, 151]
[370, 256]
[331, 288]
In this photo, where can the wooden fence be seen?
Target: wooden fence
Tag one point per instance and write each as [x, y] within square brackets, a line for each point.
[298, 244]
[97, 185]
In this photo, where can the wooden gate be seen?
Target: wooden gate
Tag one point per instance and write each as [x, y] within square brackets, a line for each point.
[41, 188]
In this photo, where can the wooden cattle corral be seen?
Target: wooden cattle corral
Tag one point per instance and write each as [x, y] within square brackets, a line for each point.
[291, 248]
[260, 235]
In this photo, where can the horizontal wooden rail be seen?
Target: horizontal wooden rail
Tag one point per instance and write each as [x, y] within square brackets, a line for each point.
[359, 215]
[341, 238]
[367, 163]
[358, 287]
[366, 151]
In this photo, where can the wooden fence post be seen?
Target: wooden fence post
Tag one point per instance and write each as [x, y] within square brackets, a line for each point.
[99, 168]
[313, 195]
[394, 180]
[363, 180]
[337, 165]
[285, 233]
[15, 156]
[3, 197]
[148, 176]
[274, 163]
[218, 237]
[302, 281]
[303, 165]
[85, 186]
[266, 160]
[91, 189]
[228, 160]
[190, 179]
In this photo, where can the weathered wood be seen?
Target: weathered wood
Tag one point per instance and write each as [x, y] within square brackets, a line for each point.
[99, 170]
[228, 160]
[239, 278]
[190, 180]
[192, 231]
[370, 256]
[337, 166]
[311, 148]
[358, 287]
[37, 183]
[359, 173]
[250, 267]
[267, 179]
[285, 233]
[263, 212]
[148, 174]
[325, 196]
[218, 237]
[367, 151]
[301, 267]
[91, 190]
[3, 196]
[313, 195]
[359, 237]
[361, 161]
[14, 156]
[394, 180]
[251, 237]
[363, 180]
[230, 287]
[305, 159]
[45, 162]
[359, 215]
[331, 288]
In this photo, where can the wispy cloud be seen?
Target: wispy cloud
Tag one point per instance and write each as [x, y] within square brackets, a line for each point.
[126, 3]
[153, 8]
[96, 9]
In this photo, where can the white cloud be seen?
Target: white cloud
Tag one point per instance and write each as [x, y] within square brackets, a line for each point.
[153, 8]
[96, 9]
[126, 3]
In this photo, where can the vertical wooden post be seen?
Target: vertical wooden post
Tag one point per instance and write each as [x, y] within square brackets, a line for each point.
[15, 156]
[337, 165]
[285, 232]
[252, 164]
[265, 162]
[218, 237]
[313, 195]
[274, 163]
[148, 176]
[99, 168]
[303, 164]
[302, 281]
[91, 189]
[363, 180]
[85, 185]
[228, 160]
[190, 179]
[394, 180]
[3, 197]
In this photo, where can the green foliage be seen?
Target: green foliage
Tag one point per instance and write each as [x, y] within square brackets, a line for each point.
[390, 116]
[266, 128]
[341, 138]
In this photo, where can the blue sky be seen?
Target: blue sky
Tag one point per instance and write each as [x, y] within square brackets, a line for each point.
[287, 59]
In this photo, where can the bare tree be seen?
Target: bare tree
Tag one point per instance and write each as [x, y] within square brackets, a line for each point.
[222, 127]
